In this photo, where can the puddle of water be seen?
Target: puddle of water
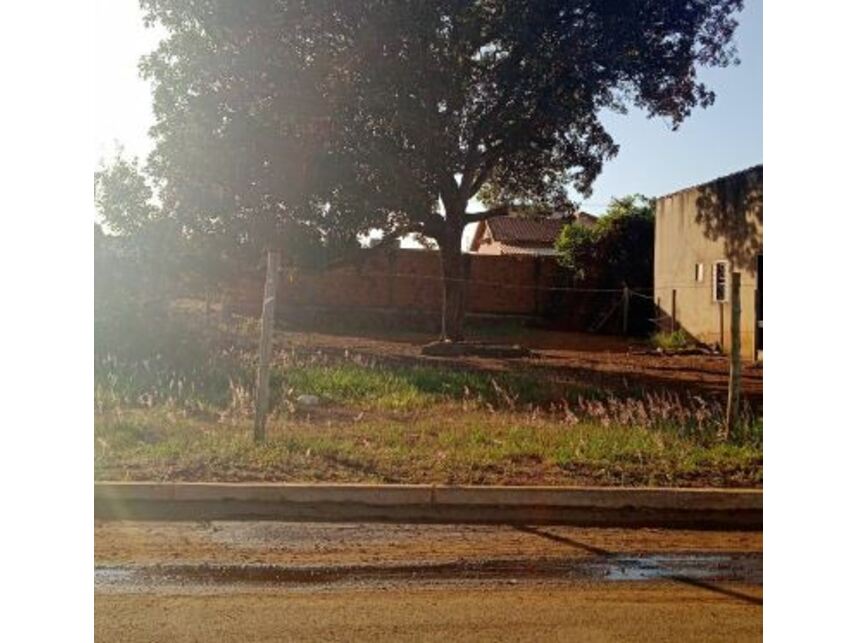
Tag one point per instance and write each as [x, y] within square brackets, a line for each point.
[724, 567]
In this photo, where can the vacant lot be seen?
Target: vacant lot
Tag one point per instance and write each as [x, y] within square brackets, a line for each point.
[583, 410]
[614, 364]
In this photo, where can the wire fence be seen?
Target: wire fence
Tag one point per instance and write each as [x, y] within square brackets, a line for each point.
[638, 291]
[574, 307]
[493, 284]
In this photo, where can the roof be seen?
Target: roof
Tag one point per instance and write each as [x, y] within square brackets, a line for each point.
[542, 250]
[525, 230]
[520, 230]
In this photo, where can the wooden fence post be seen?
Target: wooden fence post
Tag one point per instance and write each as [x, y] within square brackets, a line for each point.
[269, 303]
[673, 313]
[735, 356]
[626, 302]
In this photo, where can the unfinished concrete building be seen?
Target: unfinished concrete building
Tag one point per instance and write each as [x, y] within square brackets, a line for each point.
[702, 235]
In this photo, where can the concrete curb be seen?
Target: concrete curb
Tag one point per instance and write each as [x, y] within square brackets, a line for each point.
[584, 506]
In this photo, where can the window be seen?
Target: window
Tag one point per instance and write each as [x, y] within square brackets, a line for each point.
[700, 272]
[719, 278]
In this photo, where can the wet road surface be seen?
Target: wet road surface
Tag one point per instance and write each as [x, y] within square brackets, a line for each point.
[291, 581]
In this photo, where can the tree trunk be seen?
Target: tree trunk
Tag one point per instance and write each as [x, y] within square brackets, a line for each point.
[454, 287]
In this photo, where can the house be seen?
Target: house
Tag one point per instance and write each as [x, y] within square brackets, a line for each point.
[522, 235]
[703, 234]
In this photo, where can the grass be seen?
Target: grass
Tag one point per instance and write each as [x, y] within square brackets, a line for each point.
[184, 412]
[223, 381]
[453, 446]
[416, 387]
[671, 340]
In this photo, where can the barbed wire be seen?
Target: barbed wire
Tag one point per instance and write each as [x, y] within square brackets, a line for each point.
[634, 293]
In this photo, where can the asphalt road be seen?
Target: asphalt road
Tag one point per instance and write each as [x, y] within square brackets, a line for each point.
[344, 582]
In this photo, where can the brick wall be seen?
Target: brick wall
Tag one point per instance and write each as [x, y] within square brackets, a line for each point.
[408, 281]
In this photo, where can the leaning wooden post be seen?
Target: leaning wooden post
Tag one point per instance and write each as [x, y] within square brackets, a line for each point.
[626, 302]
[735, 356]
[269, 303]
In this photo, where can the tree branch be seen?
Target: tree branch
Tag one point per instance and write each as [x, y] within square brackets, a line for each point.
[449, 195]
[476, 185]
[475, 217]
[488, 162]
[471, 164]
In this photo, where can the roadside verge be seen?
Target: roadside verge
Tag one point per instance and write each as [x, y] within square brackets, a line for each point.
[582, 506]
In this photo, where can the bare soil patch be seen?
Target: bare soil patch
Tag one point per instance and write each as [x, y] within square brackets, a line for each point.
[608, 362]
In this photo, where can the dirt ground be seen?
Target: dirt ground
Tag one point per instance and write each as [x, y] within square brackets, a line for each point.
[638, 612]
[517, 607]
[616, 363]
[305, 544]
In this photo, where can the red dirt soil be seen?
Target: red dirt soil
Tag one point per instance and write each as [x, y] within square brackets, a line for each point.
[593, 359]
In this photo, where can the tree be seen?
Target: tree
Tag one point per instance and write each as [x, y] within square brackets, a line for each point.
[618, 250]
[394, 114]
[136, 263]
[141, 249]
[123, 196]
[163, 247]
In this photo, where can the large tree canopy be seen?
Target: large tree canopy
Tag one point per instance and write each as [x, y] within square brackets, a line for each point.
[393, 114]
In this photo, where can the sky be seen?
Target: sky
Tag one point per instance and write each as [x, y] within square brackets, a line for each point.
[122, 102]
[652, 160]
[724, 138]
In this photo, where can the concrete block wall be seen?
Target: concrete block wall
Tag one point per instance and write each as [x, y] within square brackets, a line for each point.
[718, 221]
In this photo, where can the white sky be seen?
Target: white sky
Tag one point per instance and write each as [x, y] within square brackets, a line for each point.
[122, 100]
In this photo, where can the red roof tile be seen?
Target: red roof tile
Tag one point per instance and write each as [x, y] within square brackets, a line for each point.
[530, 230]
[525, 230]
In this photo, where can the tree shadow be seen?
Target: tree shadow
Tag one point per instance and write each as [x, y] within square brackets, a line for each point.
[730, 209]
[679, 578]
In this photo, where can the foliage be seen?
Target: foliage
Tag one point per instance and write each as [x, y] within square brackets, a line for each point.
[577, 246]
[349, 115]
[123, 196]
[617, 250]
[155, 239]
[135, 265]
[147, 257]
[672, 340]
[604, 257]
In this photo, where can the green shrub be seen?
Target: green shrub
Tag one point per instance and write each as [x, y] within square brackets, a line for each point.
[672, 340]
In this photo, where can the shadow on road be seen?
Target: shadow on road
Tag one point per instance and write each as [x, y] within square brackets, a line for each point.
[679, 578]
